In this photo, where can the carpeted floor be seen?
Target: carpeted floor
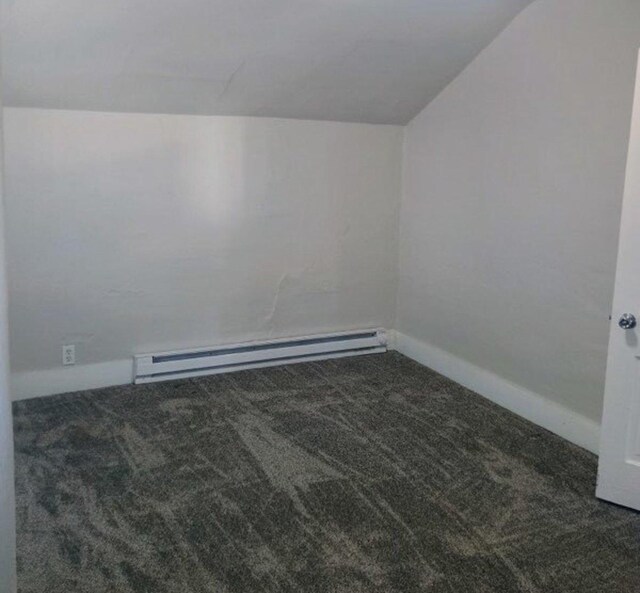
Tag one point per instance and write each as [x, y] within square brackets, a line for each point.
[360, 475]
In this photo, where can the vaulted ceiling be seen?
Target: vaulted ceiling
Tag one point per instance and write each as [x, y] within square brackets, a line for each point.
[376, 61]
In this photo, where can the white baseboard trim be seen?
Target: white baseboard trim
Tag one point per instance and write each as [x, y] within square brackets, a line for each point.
[562, 421]
[30, 384]
[392, 339]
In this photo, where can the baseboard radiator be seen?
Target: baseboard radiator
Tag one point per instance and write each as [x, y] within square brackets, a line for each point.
[164, 366]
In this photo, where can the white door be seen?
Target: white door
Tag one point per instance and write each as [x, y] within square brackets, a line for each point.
[619, 472]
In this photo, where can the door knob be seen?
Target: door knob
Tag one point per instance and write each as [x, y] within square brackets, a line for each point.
[627, 321]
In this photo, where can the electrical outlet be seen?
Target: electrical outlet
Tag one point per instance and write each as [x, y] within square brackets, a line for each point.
[68, 354]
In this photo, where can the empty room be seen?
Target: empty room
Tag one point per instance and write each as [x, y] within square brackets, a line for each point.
[325, 296]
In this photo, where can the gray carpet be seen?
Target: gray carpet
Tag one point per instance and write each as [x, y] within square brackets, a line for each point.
[361, 475]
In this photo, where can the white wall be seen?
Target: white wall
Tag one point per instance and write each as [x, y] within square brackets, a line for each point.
[513, 182]
[138, 233]
[7, 495]
[134, 233]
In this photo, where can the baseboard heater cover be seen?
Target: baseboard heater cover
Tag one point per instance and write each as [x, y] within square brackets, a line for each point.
[165, 366]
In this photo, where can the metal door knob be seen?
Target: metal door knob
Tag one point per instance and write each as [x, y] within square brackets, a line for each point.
[627, 321]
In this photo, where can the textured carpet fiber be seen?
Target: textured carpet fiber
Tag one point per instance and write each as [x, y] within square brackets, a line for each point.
[361, 475]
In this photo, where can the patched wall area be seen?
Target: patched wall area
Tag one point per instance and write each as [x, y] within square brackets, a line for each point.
[140, 233]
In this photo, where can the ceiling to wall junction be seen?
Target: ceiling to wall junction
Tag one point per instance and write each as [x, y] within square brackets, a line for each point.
[375, 61]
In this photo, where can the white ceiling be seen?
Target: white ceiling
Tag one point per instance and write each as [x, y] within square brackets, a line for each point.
[376, 61]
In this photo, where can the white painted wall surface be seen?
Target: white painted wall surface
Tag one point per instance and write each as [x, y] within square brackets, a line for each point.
[139, 233]
[513, 184]
[7, 494]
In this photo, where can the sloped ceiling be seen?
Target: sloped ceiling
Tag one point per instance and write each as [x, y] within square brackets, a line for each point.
[375, 61]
